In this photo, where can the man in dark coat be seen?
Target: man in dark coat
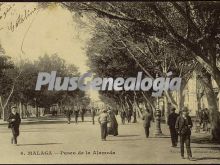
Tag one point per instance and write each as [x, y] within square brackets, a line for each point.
[69, 112]
[204, 119]
[171, 122]
[14, 123]
[93, 113]
[76, 114]
[129, 114]
[183, 127]
[147, 117]
[82, 112]
[123, 116]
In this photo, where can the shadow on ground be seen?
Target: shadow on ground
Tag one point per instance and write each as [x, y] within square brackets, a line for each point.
[207, 158]
[127, 135]
[39, 144]
[204, 140]
[50, 122]
[212, 147]
[123, 139]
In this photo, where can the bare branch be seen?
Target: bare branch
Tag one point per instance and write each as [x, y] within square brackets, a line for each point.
[196, 51]
[186, 17]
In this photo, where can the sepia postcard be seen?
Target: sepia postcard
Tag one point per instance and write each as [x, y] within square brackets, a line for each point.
[110, 82]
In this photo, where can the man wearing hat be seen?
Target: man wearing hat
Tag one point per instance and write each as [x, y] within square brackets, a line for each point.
[171, 122]
[103, 120]
[14, 123]
[147, 117]
[183, 127]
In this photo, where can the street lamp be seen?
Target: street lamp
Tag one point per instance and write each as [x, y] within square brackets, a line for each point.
[158, 131]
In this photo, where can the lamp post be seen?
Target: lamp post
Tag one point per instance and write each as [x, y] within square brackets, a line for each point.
[158, 131]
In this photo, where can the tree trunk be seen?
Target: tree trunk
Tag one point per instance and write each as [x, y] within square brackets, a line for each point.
[199, 94]
[139, 113]
[135, 116]
[134, 112]
[122, 104]
[37, 113]
[167, 108]
[199, 107]
[21, 110]
[149, 101]
[213, 108]
[171, 99]
[26, 111]
[3, 108]
[181, 94]
[130, 106]
[216, 75]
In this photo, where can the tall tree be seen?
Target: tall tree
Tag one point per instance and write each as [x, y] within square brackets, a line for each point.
[192, 26]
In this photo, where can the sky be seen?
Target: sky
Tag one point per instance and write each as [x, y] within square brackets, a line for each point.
[27, 32]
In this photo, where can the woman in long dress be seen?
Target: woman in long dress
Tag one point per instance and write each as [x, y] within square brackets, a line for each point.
[14, 123]
[112, 124]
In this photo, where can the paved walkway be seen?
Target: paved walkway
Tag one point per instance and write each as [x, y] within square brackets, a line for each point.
[78, 143]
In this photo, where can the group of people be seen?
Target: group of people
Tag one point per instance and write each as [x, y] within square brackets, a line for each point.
[126, 115]
[204, 119]
[68, 112]
[108, 123]
[179, 125]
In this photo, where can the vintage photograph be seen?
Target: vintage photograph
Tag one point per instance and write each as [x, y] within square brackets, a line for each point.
[110, 82]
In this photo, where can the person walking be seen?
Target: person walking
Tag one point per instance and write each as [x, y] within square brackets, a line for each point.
[204, 119]
[14, 124]
[129, 114]
[123, 116]
[171, 123]
[147, 117]
[103, 120]
[93, 113]
[183, 127]
[69, 112]
[76, 115]
[82, 112]
[134, 115]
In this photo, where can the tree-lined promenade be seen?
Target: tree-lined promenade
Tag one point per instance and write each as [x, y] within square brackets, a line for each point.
[127, 37]
[68, 143]
[156, 37]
